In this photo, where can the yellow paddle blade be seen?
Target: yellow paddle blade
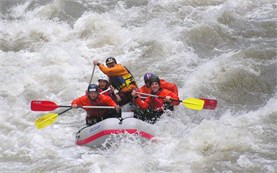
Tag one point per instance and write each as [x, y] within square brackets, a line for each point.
[193, 103]
[46, 120]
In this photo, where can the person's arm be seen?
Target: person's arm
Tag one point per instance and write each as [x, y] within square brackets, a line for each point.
[112, 94]
[136, 99]
[142, 104]
[117, 70]
[143, 89]
[81, 101]
[170, 96]
[175, 89]
[169, 86]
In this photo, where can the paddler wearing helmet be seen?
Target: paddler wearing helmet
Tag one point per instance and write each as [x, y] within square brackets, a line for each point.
[163, 84]
[120, 78]
[105, 87]
[153, 107]
[93, 98]
[103, 82]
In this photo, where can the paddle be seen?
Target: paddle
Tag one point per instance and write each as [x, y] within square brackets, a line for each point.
[48, 119]
[191, 103]
[92, 74]
[44, 105]
[105, 91]
[209, 103]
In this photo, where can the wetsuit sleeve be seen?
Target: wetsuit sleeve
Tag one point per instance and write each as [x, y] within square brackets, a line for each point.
[117, 70]
[169, 86]
[174, 97]
[175, 89]
[142, 104]
[81, 101]
[144, 89]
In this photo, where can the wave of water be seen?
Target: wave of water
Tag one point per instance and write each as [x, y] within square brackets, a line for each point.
[221, 49]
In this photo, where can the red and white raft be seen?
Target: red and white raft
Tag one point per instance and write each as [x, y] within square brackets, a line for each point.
[108, 131]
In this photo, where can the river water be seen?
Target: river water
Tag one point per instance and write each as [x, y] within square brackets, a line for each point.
[217, 49]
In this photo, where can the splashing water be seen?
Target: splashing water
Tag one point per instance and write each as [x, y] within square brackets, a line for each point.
[221, 49]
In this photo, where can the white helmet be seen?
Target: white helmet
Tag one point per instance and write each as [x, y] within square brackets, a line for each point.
[103, 77]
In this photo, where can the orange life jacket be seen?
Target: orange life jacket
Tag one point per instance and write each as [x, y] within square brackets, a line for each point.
[120, 77]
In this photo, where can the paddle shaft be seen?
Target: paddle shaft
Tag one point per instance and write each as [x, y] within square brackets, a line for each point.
[92, 74]
[89, 107]
[105, 91]
[151, 95]
[64, 111]
[191, 103]
[44, 105]
[208, 103]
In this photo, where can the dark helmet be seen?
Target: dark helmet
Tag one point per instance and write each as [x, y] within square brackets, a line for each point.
[110, 60]
[147, 76]
[92, 87]
[155, 79]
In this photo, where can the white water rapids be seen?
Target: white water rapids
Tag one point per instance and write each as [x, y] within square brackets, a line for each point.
[217, 49]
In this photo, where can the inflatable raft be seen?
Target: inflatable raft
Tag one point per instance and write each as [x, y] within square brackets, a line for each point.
[104, 133]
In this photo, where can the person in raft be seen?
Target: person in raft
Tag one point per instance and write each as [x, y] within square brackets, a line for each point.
[154, 106]
[93, 98]
[120, 78]
[105, 87]
[163, 84]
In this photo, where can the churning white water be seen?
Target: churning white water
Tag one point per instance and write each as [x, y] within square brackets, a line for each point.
[217, 49]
